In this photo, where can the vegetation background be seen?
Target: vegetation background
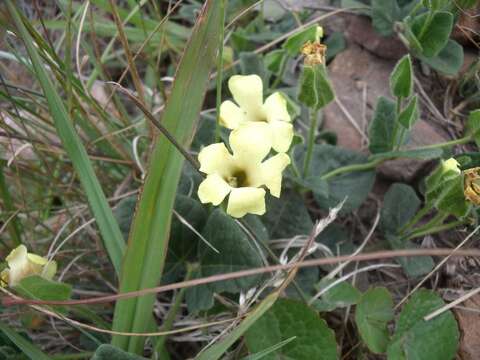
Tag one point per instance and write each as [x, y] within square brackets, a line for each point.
[369, 253]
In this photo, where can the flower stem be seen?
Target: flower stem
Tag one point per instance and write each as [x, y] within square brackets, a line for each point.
[279, 77]
[354, 167]
[460, 141]
[311, 141]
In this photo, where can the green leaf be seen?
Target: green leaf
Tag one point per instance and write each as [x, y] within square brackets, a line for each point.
[287, 216]
[448, 61]
[274, 60]
[415, 338]
[399, 206]
[219, 348]
[315, 90]
[261, 354]
[335, 44]
[294, 43]
[432, 31]
[109, 352]
[39, 288]
[401, 78]
[341, 295]
[198, 298]
[473, 126]
[29, 349]
[382, 126]
[374, 312]
[236, 252]
[287, 319]
[409, 115]
[252, 63]
[148, 241]
[111, 234]
[353, 186]
[384, 13]
[413, 266]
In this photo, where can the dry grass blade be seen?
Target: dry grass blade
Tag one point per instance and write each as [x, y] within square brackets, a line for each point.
[112, 237]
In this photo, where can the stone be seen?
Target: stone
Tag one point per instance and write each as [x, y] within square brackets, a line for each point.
[361, 32]
[469, 324]
[359, 78]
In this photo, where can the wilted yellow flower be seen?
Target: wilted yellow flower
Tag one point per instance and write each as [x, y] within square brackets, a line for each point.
[247, 92]
[471, 181]
[22, 264]
[242, 173]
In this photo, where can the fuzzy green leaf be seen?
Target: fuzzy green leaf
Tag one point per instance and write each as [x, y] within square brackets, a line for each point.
[449, 60]
[289, 318]
[315, 89]
[341, 295]
[294, 43]
[415, 338]
[236, 252]
[409, 115]
[401, 79]
[374, 312]
[353, 186]
[384, 13]
[382, 126]
[432, 31]
[109, 352]
[399, 206]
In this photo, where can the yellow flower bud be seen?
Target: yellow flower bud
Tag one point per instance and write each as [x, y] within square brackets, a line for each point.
[22, 264]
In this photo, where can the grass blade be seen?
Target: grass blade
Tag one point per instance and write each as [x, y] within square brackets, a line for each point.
[23, 344]
[148, 240]
[112, 237]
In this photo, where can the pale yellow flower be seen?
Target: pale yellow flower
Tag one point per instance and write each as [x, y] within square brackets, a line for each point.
[247, 91]
[22, 264]
[242, 174]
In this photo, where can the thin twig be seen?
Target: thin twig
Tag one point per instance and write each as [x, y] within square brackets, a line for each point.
[386, 254]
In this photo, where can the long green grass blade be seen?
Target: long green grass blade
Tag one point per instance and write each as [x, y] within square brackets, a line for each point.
[148, 240]
[112, 237]
[216, 351]
[23, 344]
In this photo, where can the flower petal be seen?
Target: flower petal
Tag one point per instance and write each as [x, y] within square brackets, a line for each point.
[272, 172]
[246, 200]
[213, 189]
[247, 91]
[215, 158]
[251, 142]
[49, 270]
[18, 257]
[275, 108]
[231, 116]
[282, 135]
